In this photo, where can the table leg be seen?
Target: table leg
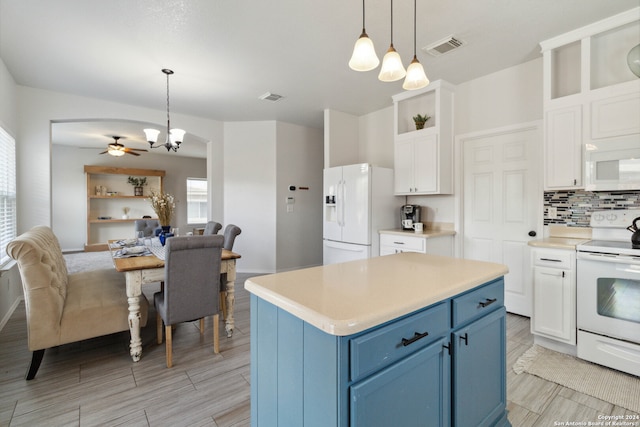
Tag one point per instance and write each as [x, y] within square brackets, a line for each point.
[134, 290]
[230, 297]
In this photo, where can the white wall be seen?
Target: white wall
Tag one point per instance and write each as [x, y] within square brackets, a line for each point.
[261, 160]
[299, 162]
[68, 187]
[341, 139]
[376, 138]
[250, 192]
[506, 97]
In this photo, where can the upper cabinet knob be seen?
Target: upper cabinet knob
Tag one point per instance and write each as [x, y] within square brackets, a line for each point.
[532, 233]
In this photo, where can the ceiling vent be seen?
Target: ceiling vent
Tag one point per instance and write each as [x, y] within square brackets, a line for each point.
[443, 46]
[273, 97]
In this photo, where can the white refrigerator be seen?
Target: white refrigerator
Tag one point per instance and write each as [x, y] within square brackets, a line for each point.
[358, 201]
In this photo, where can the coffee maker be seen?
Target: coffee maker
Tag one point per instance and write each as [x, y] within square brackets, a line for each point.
[409, 215]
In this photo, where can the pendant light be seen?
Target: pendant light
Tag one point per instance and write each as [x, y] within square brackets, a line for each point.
[416, 78]
[392, 68]
[364, 56]
[174, 136]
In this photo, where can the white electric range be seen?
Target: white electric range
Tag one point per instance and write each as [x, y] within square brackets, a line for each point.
[608, 293]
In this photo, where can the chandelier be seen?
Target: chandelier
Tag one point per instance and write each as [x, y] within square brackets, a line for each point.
[174, 136]
[364, 58]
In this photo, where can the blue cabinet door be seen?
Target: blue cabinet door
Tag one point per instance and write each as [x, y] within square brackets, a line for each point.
[479, 372]
[412, 392]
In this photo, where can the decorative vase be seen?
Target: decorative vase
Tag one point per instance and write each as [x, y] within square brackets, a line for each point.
[420, 125]
[137, 191]
[165, 234]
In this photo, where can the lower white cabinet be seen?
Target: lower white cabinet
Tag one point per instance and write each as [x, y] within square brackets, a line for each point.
[434, 245]
[554, 294]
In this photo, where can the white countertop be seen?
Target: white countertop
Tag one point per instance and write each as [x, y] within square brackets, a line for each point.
[425, 234]
[557, 243]
[347, 298]
[562, 237]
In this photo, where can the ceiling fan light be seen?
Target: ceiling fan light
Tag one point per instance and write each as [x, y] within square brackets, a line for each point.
[177, 136]
[416, 78]
[392, 68]
[364, 56]
[115, 151]
[152, 135]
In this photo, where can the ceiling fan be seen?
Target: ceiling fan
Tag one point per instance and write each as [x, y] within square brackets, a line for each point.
[116, 149]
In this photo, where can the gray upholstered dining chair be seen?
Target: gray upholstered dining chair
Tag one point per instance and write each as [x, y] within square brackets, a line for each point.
[212, 227]
[147, 226]
[230, 233]
[191, 286]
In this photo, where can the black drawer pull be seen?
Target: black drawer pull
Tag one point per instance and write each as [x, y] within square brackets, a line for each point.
[416, 337]
[488, 301]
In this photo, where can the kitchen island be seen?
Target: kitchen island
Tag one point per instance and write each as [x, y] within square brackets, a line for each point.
[408, 339]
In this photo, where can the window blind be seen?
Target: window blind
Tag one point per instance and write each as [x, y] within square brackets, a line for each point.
[7, 193]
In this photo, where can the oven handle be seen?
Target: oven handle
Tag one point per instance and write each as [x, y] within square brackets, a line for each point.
[619, 259]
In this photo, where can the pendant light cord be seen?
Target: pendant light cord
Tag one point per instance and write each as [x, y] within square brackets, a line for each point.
[363, 31]
[168, 119]
[391, 22]
[414, 27]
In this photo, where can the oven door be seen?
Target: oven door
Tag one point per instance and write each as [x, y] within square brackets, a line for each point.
[608, 295]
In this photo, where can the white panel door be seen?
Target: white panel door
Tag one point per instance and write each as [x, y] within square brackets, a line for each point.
[501, 178]
[357, 205]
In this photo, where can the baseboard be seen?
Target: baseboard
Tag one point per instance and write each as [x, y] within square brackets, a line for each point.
[10, 312]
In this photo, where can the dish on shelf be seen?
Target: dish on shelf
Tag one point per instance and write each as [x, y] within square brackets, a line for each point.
[104, 217]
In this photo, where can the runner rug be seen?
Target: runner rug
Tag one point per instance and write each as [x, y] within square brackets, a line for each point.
[594, 380]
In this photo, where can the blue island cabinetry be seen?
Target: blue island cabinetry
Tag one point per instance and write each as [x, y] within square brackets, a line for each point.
[441, 365]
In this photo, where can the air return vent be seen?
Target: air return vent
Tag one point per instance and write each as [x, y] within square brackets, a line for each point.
[273, 97]
[443, 46]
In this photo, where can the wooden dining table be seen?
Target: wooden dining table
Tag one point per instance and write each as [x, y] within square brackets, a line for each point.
[143, 270]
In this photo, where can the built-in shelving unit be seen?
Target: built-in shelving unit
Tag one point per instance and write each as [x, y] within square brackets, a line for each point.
[108, 192]
[423, 158]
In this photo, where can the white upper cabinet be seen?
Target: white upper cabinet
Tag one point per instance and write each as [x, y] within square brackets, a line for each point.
[589, 93]
[423, 157]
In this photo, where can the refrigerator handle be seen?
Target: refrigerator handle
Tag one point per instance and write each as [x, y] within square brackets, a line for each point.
[340, 203]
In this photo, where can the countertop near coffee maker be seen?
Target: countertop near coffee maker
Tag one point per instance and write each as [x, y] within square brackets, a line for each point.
[431, 229]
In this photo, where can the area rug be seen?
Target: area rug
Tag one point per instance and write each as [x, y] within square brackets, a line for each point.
[83, 261]
[605, 384]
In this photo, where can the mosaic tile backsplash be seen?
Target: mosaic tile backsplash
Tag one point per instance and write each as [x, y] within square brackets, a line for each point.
[574, 207]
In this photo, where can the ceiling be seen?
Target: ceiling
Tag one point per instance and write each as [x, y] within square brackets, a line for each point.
[227, 53]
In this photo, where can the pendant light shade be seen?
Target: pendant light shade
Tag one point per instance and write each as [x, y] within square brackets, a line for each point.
[364, 56]
[416, 77]
[392, 68]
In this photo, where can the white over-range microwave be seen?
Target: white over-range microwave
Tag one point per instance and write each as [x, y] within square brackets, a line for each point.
[613, 164]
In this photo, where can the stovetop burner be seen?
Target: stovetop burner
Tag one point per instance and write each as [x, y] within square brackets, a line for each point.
[609, 232]
[609, 246]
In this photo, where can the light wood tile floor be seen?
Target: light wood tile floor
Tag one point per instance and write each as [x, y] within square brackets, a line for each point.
[95, 383]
